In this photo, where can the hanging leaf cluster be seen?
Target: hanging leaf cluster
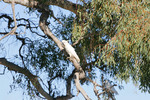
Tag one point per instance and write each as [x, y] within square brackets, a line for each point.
[116, 33]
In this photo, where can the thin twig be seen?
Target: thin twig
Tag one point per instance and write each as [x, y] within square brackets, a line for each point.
[3, 8]
[14, 29]
[3, 71]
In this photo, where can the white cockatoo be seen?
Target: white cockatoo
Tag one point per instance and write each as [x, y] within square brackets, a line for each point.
[110, 87]
[70, 50]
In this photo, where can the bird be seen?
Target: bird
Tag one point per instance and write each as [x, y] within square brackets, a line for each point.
[70, 50]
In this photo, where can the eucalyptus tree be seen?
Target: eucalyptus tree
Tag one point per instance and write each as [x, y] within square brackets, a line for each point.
[111, 37]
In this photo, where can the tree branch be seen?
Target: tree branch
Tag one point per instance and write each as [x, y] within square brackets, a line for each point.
[80, 74]
[26, 72]
[65, 4]
[68, 89]
[14, 29]
[46, 30]
[3, 71]
[79, 88]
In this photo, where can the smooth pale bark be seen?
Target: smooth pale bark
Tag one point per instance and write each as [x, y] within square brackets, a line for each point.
[79, 74]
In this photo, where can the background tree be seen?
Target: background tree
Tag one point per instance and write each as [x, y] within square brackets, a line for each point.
[109, 36]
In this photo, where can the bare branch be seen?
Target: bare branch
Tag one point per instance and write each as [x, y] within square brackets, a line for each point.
[65, 4]
[3, 33]
[46, 30]
[14, 29]
[68, 89]
[3, 71]
[96, 91]
[13, 9]
[79, 88]
[26, 72]
[68, 86]
[80, 74]
[52, 14]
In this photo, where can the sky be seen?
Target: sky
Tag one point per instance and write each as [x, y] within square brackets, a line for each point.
[130, 92]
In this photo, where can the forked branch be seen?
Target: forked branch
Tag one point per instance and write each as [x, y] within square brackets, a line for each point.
[14, 29]
[80, 74]
[26, 72]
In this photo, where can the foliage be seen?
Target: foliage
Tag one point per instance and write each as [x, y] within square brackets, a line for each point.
[123, 26]
[113, 36]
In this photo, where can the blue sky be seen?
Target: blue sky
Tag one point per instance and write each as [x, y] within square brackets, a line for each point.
[130, 92]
